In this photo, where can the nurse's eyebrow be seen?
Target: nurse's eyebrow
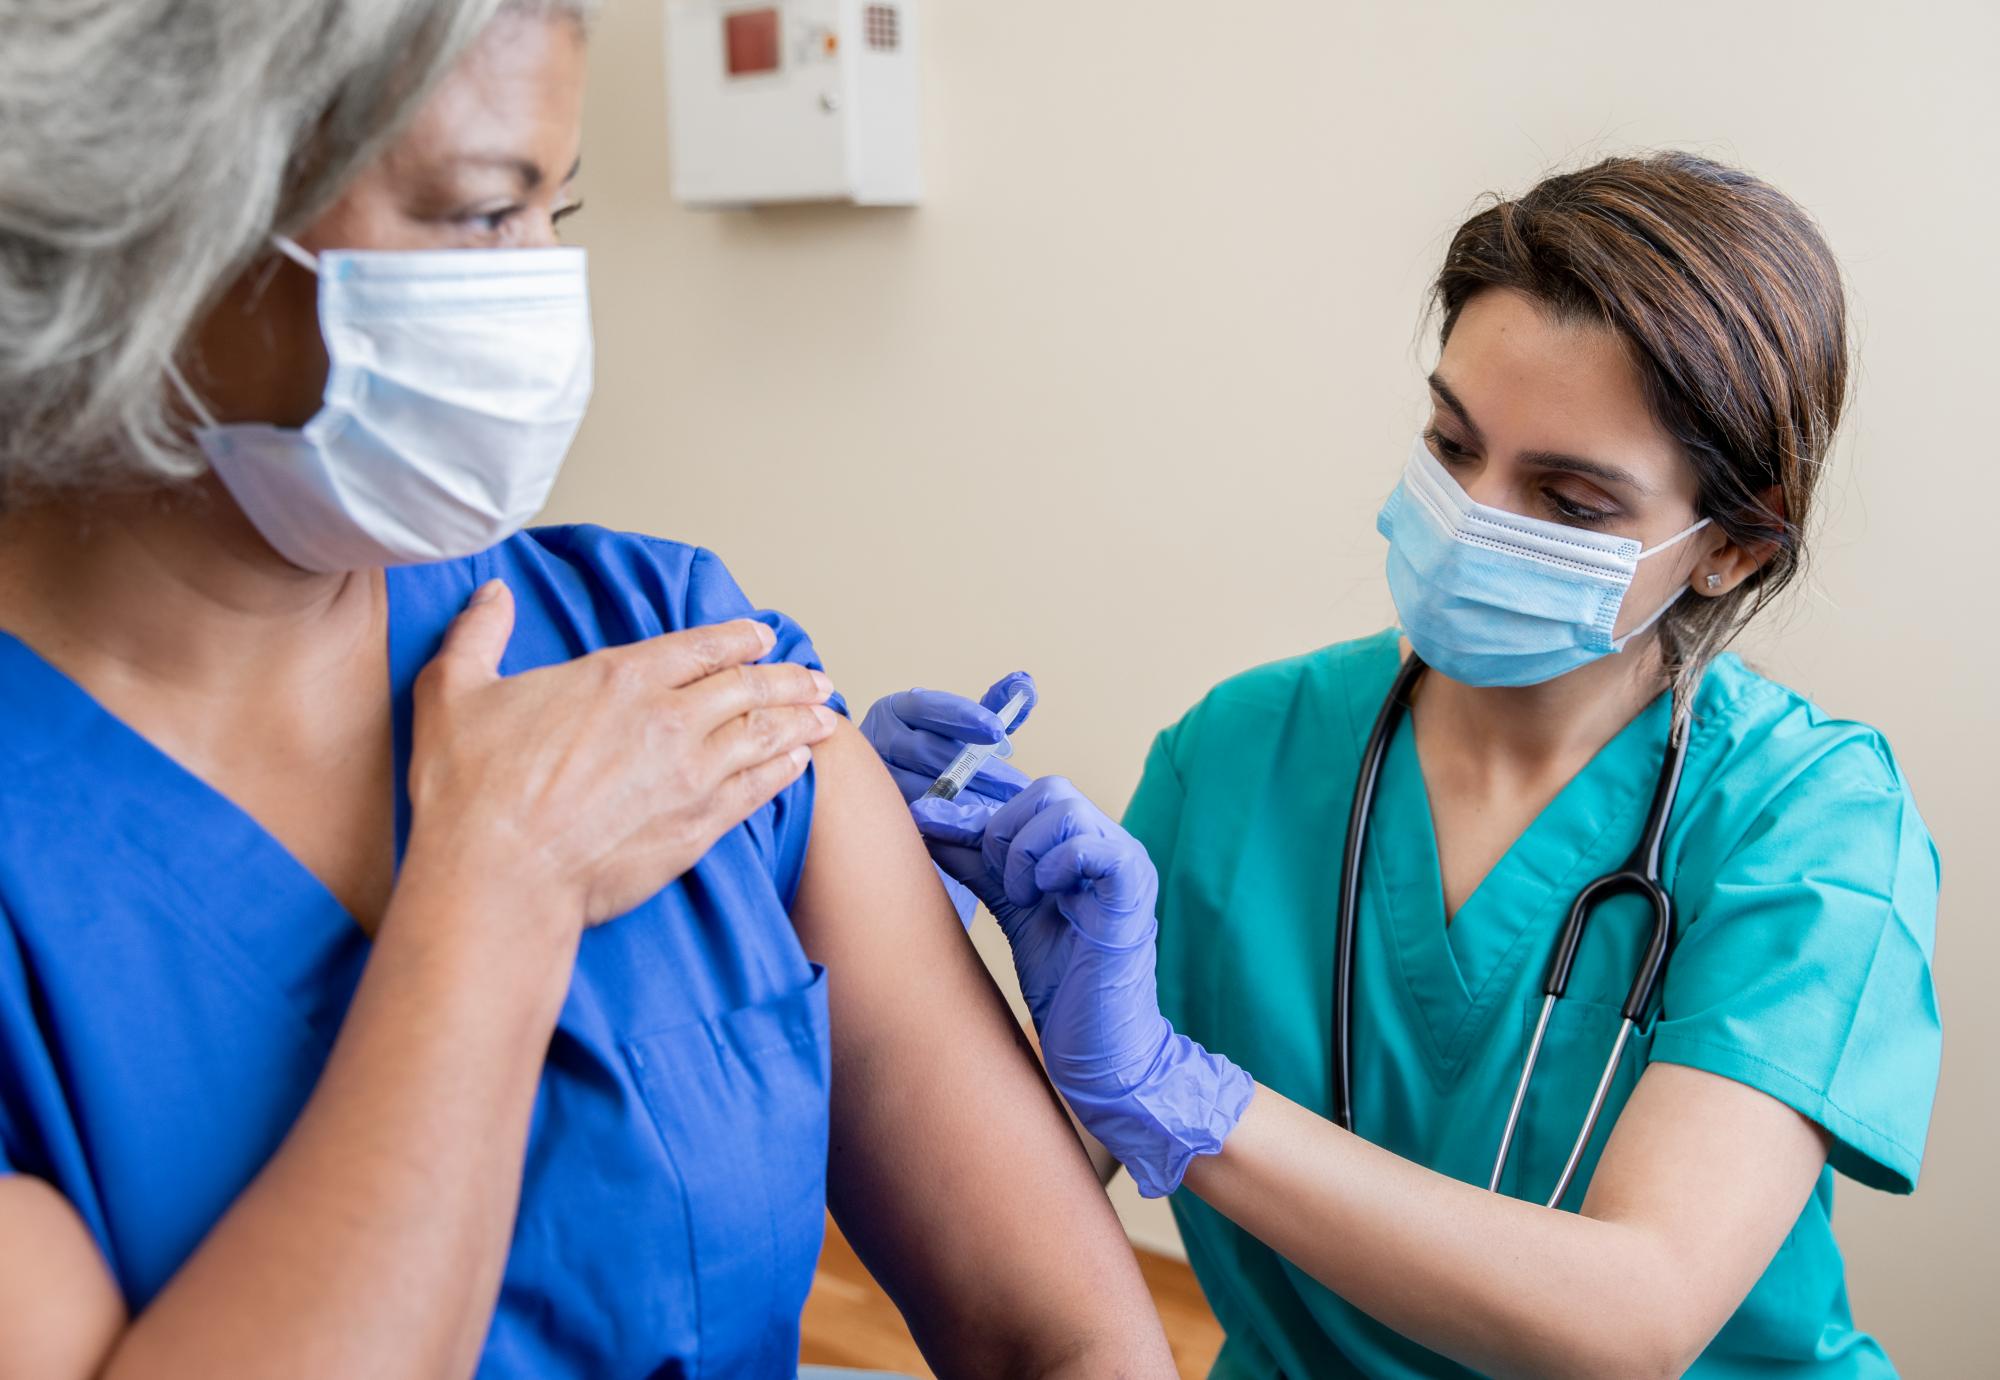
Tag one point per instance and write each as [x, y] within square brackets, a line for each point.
[1594, 469]
[1450, 400]
[1545, 459]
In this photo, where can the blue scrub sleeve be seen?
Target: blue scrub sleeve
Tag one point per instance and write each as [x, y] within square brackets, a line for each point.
[1804, 969]
[20, 1050]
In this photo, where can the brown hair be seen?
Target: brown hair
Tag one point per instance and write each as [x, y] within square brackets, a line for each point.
[1730, 302]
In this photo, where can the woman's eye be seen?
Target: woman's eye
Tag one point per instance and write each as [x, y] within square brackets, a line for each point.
[491, 222]
[564, 212]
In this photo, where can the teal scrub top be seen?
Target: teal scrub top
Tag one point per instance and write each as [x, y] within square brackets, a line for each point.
[1805, 887]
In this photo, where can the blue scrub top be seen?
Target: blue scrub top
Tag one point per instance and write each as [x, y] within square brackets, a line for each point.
[171, 982]
[1805, 890]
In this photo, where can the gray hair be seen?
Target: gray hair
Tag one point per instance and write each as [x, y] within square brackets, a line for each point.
[148, 149]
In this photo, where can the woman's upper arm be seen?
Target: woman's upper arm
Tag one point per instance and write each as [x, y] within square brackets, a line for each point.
[60, 1310]
[1714, 1173]
[952, 1168]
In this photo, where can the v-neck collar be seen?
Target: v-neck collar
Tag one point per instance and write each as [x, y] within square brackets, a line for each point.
[1456, 975]
[213, 864]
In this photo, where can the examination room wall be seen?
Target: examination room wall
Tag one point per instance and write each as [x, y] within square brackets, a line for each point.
[1118, 403]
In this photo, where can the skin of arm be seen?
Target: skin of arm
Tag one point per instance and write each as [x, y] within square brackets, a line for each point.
[952, 1169]
[372, 1243]
[1699, 1183]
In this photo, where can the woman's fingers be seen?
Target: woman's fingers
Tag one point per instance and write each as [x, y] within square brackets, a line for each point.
[677, 659]
[763, 734]
[717, 700]
[477, 638]
[750, 790]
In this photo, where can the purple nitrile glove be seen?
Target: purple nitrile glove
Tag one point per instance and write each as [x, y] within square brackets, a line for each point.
[918, 732]
[1075, 896]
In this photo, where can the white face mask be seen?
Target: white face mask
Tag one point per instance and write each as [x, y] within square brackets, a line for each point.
[456, 380]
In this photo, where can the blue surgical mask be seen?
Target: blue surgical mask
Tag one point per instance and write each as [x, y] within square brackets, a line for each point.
[1490, 597]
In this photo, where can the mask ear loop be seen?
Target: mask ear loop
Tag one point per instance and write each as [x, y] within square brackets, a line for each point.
[292, 250]
[1675, 598]
[297, 253]
[195, 404]
[1674, 540]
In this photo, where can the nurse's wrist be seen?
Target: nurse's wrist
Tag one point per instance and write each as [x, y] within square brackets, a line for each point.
[1181, 1109]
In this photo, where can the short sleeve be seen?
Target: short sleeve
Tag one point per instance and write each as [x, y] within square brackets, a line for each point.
[1154, 816]
[713, 596]
[1804, 969]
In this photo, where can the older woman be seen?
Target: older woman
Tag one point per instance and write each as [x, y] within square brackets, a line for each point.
[412, 929]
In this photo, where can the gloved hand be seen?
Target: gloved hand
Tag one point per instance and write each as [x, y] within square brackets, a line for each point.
[918, 732]
[1075, 896]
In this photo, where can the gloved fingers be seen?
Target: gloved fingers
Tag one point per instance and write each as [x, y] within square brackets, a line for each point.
[1105, 887]
[962, 866]
[948, 716]
[998, 781]
[1016, 814]
[1050, 826]
[1003, 690]
[962, 821]
[1114, 866]
[963, 902]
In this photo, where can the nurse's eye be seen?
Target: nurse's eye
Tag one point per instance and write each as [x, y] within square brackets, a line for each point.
[1446, 449]
[1568, 509]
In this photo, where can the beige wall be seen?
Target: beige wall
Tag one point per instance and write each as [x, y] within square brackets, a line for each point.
[1118, 403]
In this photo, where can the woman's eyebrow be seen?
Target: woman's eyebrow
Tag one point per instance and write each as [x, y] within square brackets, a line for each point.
[526, 169]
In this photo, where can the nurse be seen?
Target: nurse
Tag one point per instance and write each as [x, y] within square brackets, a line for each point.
[429, 947]
[1642, 365]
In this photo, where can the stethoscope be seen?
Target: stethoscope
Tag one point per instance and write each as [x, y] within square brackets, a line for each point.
[1640, 875]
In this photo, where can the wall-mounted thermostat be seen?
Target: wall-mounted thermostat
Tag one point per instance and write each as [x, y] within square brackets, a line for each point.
[792, 100]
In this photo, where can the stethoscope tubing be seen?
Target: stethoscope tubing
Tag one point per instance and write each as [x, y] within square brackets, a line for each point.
[1640, 875]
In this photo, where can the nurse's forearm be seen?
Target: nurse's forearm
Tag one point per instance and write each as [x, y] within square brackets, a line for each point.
[373, 1241]
[1692, 1197]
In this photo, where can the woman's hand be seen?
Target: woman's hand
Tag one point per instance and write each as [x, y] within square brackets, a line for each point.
[592, 784]
[1075, 896]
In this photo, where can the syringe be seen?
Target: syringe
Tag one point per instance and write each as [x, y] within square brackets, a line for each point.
[973, 756]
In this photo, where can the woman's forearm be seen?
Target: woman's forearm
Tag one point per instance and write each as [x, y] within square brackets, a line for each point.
[1504, 1286]
[374, 1240]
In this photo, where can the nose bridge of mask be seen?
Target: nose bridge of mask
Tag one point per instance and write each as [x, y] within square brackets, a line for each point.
[1533, 538]
[1467, 520]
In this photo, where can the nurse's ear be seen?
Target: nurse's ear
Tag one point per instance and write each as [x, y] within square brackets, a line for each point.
[1725, 568]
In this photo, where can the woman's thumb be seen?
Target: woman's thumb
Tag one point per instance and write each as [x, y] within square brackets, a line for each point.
[478, 636]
